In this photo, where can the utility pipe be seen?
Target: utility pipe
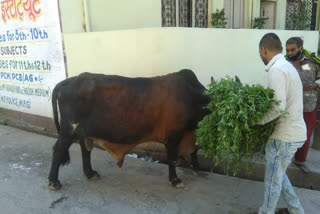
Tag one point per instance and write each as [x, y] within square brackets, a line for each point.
[87, 26]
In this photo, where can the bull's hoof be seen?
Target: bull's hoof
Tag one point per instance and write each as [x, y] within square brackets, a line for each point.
[195, 172]
[55, 185]
[178, 183]
[93, 176]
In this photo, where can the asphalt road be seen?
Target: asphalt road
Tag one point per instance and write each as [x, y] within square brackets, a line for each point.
[142, 187]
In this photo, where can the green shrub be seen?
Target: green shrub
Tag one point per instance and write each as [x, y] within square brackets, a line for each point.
[230, 133]
[218, 19]
[259, 22]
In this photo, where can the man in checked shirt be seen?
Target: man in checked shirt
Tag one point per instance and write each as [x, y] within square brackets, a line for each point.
[309, 72]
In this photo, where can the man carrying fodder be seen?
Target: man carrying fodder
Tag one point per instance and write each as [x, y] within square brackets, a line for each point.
[231, 131]
[289, 133]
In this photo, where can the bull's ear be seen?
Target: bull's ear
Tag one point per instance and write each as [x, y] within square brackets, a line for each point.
[238, 80]
[212, 80]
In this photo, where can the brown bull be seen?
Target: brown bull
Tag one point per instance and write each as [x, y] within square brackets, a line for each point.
[117, 113]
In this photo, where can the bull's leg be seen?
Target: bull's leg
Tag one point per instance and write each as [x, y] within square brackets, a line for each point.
[86, 161]
[172, 151]
[60, 156]
[194, 161]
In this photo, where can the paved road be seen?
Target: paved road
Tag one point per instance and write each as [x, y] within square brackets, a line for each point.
[142, 188]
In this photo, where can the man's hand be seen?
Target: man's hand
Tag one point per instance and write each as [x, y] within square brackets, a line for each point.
[310, 87]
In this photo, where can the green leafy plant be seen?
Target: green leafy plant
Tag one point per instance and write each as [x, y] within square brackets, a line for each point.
[230, 133]
[259, 22]
[218, 19]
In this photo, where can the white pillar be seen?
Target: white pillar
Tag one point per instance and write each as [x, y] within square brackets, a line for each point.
[281, 11]
[252, 10]
[86, 16]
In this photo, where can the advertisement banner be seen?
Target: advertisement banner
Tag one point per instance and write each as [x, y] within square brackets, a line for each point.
[31, 55]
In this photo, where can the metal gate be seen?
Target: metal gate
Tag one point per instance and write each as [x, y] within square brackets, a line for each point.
[301, 15]
[184, 13]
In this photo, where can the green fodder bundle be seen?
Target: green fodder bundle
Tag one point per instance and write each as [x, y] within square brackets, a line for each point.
[230, 133]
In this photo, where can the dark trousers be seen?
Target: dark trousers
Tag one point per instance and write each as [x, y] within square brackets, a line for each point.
[310, 120]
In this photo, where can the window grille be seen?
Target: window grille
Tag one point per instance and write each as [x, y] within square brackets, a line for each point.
[168, 13]
[201, 13]
[301, 15]
[185, 13]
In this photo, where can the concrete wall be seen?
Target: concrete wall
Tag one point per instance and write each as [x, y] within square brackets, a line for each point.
[157, 51]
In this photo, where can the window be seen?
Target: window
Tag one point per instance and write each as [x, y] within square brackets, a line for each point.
[184, 13]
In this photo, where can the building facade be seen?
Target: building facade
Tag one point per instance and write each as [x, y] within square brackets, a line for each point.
[98, 15]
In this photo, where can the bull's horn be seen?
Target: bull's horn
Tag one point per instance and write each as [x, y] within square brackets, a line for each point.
[212, 79]
[238, 80]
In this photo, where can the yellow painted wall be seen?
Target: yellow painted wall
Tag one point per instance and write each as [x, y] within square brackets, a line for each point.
[124, 14]
[71, 16]
[156, 51]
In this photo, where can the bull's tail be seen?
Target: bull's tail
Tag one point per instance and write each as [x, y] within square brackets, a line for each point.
[61, 146]
[55, 97]
[66, 156]
[55, 108]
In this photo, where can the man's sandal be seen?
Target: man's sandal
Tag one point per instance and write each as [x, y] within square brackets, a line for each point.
[282, 211]
[303, 167]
